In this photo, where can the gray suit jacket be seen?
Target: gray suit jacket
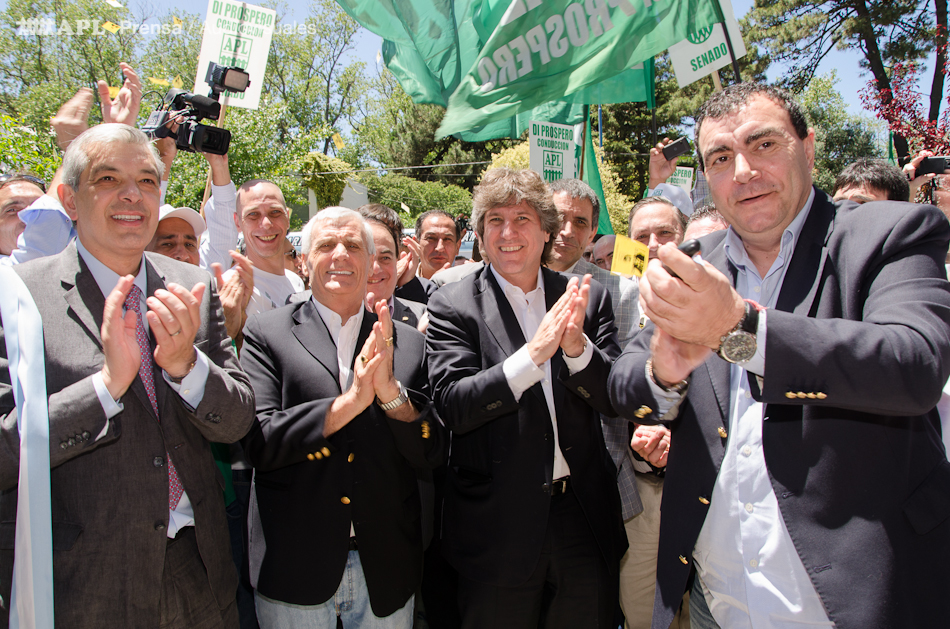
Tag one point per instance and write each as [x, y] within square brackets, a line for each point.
[625, 295]
[110, 495]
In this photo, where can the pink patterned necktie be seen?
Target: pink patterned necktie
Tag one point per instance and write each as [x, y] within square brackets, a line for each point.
[146, 372]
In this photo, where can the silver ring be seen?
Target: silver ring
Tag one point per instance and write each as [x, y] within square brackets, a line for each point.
[175, 333]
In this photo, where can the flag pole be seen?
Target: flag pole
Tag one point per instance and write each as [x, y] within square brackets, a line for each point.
[725, 31]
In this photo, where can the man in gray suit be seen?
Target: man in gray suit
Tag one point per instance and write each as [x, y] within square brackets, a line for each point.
[139, 535]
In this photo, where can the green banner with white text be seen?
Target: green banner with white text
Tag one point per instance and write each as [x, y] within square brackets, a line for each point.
[542, 52]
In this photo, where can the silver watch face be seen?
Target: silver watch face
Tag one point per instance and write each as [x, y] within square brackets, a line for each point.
[738, 347]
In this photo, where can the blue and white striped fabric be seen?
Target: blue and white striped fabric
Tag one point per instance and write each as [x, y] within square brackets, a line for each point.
[31, 605]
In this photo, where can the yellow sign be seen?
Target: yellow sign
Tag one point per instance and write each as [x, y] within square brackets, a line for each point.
[113, 91]
[176, 21]
[161, 82]
[112, 28]
[630, 257]
[177, 83]
[338, 141]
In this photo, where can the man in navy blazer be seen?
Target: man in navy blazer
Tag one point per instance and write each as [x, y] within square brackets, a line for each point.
[800, 364]
[518, 362]
[343, 422]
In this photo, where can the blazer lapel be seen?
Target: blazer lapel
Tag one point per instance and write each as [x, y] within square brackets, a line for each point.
[83, 296]
[809, 258]
[499, 317]
[717, 368]
[313, 334]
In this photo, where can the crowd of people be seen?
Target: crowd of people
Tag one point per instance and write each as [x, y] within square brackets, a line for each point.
[365, 434]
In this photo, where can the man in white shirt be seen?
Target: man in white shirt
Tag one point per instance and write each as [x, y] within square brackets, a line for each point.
[262, 215]
[343, 423]
[800, 363]
[518, 359]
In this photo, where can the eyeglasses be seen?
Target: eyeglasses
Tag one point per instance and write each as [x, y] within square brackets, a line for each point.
[292, 254]
[13, 178]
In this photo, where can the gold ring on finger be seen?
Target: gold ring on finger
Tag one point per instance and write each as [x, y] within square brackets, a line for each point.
[389, 342]
[363, 359]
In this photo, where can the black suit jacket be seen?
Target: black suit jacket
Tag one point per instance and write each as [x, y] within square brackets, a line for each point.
[309, 488]
[497, 495]
[857, 351]
[110, 495]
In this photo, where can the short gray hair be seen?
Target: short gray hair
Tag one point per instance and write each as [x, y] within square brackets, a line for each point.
[577, 189]
[77, 155]
[337, 215]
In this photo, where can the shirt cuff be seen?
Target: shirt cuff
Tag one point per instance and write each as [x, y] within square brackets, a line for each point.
[224, 194]
[109, 406]
[756, 364]
[668, 402]
[192, 387]
[521, 372]
[579, 363]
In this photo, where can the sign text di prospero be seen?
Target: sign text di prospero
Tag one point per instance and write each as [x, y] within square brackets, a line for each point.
[580, 21]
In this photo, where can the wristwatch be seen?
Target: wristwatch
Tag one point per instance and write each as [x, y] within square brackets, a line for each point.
[739, 344]
[401, 399]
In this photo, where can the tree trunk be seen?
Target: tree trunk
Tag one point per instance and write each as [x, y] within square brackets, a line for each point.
[876, 63]
[936, 88]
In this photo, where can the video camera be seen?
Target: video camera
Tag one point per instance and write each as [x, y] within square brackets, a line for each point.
[190, 109]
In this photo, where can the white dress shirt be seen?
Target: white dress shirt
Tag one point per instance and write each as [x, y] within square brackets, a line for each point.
[344, 335]
[520, 370]
[748, 567]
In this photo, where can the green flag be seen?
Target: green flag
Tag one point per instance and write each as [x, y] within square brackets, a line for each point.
[430, 44]
[546, 51]
[590, 174]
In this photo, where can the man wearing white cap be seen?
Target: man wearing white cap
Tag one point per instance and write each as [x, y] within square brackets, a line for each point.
[178, 233]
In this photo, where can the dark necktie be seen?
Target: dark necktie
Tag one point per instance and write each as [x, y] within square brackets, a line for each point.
[146, 371]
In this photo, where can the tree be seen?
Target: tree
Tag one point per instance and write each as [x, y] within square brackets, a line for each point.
[618, 204]
[23, 149]
[802, 32]
[629, 127]
[397, 132]
[903, 109]
[325, 176]
[840, 137]
[49, 48]
[418, 196]
[311, 73]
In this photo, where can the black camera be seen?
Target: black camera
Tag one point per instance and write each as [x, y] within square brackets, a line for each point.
[190, 109]
[192, 135]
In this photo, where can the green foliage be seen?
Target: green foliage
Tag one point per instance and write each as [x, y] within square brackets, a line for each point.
[321, 173]
[256, 152]
[45, 57]
[840, 137]
[419, 196]
[628, 127]
[618, 204]
[22, 149]
[397, 132]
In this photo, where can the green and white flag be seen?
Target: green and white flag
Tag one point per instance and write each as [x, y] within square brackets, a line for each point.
[430, 45]
[541, 52]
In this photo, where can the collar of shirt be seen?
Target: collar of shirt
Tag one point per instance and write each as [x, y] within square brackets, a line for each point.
[513, 292]
[344, 335]
[107, 279]
[737, 255]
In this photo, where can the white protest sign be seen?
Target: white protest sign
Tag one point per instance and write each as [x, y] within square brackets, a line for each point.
[236, 34]
[704, 51]
[551, 150]
[682, 177]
